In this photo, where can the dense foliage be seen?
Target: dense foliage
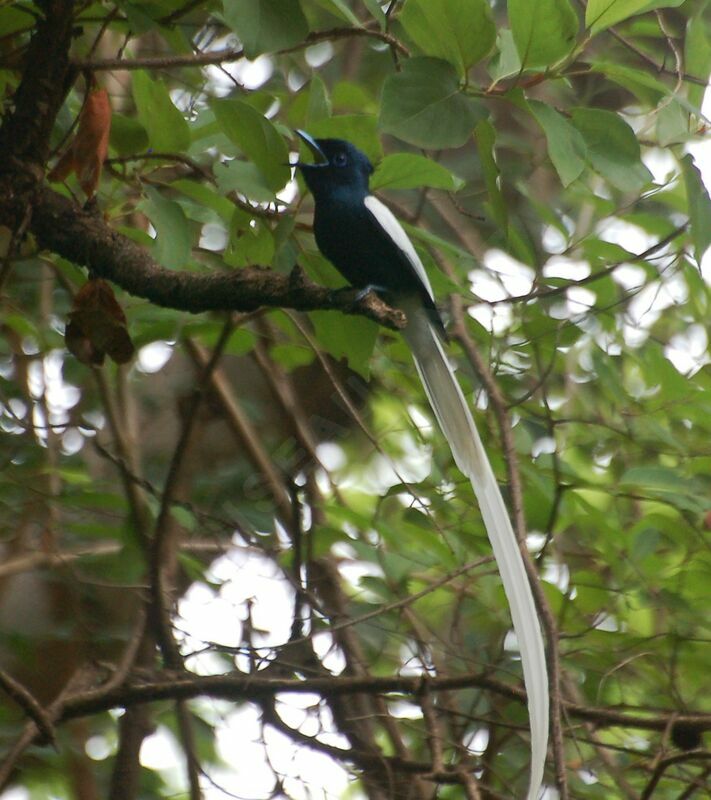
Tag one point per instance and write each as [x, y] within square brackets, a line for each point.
[260, 493]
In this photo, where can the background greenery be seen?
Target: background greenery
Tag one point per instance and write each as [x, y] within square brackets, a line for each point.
[545, 158]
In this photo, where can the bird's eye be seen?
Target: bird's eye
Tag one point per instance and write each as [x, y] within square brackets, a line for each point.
[340, 159]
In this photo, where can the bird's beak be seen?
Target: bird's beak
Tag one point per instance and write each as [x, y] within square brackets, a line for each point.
[320, 159]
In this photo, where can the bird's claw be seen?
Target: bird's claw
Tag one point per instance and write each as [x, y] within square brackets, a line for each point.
[371, 287]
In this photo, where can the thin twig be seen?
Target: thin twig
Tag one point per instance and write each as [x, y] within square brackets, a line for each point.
[538, 294]
[229, 54]
[283, 387]
[169, 19]
[677, 758]
[187, 737]
[161, 556]
[678, 58]
[434, 734]
[140, 513]
[30, 705]
[470, 785]
[659, 68]
[700, 782]
[74, 688]
[403, 602]
[245, 432]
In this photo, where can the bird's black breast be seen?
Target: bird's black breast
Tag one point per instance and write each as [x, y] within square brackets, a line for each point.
[355, 243]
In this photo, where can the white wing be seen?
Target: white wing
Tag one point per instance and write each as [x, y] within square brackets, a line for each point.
[389, 223]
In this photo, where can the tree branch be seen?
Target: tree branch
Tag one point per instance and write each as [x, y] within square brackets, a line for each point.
[30, 705]
[228, 54]
[25, 132]
[87, 240]
[169, 686]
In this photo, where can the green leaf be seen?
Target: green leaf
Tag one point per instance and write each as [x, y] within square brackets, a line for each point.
[672, 124]
[353, 98]
[421, 234]
[167, 129]
[699, 207]
[361, 129]
[128, 136]
[377, 12]
[485, 136]
[13, 20]
[205, 195]
[255, 245]
[74, 476]
[606, 253]
[507, 62]
[612, 148]
[346, 337]
[19, 323]
[184, 517]
[459, 31]
[265, 26]
[319, 105]
[566, 146]
[601, 14]
[409, 170]
[139, 19]
[638, 81]
[292, 355]
[697, 55]
[660, 372]
[172, 243]
[245, 178]
[422, 105]
[662, 479]
[256, 137]
[340, 7]
[544, 31]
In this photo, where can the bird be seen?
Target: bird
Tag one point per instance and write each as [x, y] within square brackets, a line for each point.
[363, 239]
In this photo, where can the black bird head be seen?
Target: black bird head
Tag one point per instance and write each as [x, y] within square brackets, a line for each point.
[338, 167]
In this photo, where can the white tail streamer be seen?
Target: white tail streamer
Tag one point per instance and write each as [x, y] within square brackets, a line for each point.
[455, 419]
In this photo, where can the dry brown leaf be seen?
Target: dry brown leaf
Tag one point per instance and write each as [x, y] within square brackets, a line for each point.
[87, 151]
[97, 326]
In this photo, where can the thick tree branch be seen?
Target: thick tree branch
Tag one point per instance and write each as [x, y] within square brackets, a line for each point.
[134, 726]
[86, 239]
[25, 132]
[250, 687]
[60, 226]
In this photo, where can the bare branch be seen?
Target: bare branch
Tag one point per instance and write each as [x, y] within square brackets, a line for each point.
[677, 758]
[29, 705]
[228, 54]
[168, 686]
[25, 131]
[87, 240]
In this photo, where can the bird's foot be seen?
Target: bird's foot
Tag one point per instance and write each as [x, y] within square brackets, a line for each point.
[371, 287]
